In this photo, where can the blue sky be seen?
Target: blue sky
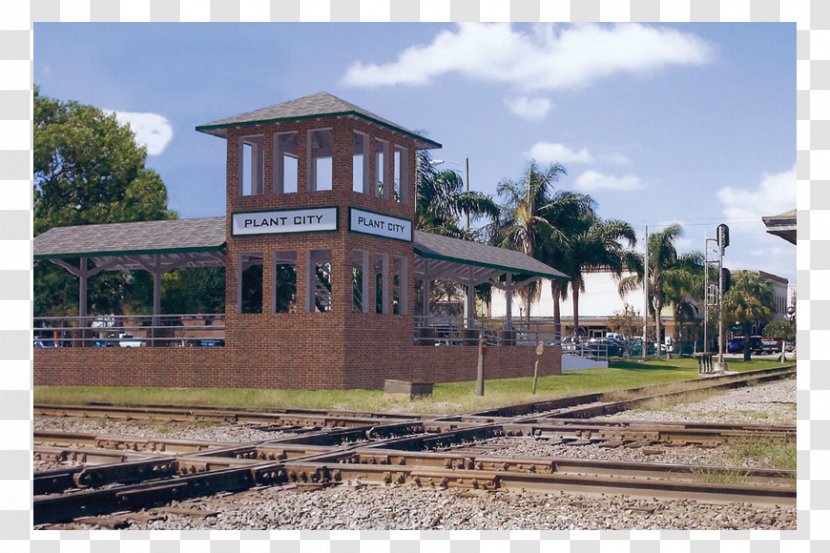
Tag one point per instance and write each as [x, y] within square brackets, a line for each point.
[693, 123]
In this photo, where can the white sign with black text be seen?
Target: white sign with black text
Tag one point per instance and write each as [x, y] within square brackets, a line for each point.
[380, 225]
[285, 221]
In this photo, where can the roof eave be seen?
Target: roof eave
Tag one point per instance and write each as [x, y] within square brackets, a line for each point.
[512, 270]
[220, 129]
[114, 253]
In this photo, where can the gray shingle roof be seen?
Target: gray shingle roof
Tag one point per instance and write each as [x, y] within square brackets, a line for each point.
[175, 236]
[321, 104]
[208, 234]
[435, 246]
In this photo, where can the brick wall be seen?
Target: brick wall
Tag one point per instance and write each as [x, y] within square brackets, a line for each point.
[291, 367]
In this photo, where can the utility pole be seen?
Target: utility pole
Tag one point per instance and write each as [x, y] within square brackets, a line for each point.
[723, 242]
[467, 174]
[706, 294]
[645, 300]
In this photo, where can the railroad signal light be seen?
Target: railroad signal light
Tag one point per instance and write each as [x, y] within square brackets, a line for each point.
[726, 278]
[723, 236]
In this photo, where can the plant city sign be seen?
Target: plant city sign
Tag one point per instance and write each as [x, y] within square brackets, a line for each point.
[376, 224]
[285, 221]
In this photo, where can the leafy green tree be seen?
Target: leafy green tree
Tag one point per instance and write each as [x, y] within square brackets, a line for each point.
[597, 244]
[749, 300]
[88, 169]
[627, 321]
[780, 329]
[194, 291]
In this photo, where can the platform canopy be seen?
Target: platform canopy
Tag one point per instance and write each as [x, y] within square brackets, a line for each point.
[783, 225]
[197, 243]
[442, 257]
[161, 246]
[175, 243]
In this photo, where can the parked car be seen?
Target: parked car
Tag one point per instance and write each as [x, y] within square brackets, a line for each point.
[47, 343]
[211, 343]
[599, 346]
[129, 341]
[771, 345]
[737, 344]
[104, 343]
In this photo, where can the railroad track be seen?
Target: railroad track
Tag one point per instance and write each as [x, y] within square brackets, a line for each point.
[120, 473]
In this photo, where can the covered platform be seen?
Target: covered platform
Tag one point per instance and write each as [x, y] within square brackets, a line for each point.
[161, 246]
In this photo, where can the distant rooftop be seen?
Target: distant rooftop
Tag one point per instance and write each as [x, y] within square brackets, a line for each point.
[783, 225]
[314, 106]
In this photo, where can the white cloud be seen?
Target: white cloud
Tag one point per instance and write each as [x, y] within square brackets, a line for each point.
[683, 243]
[545, 57]
[751, 246]
[773, 195]
[151, 129]
[593, 180]
[552, 152]
[533, 109]
[617, 159]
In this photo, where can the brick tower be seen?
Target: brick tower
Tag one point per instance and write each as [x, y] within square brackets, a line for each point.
[319, 269]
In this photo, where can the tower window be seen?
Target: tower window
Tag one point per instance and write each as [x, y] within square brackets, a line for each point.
[285, 282]
[250, 283]
[285, 162]
[252, 166]
[360, 282]
[381, 179]
[360, 162]
[401, 175]
[319, 281]
[320, 150]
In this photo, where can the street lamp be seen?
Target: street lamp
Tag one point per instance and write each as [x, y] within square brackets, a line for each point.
[466, 166]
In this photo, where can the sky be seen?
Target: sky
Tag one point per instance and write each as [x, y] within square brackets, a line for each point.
[686, 123]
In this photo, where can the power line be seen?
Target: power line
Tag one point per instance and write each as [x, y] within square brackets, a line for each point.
[699, 223]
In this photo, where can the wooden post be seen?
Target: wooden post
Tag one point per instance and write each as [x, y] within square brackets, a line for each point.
[539, 350]
[480, 372]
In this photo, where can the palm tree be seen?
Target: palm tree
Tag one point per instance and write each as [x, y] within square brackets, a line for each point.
[683, 285]
[598, 244]
[750, 299]
[565, 212]
[442, 201]
[530, 206]
[665, 266]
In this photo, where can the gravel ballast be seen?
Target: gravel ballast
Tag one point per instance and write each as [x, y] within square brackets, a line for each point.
[409, 507]
[773, 403]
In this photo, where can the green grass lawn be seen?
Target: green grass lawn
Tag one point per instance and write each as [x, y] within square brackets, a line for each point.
[456, 397]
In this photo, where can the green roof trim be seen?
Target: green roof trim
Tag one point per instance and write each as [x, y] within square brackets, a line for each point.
[410, 134]
[78, 255]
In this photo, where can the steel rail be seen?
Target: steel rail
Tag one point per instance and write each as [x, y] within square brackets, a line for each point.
[610, 407]
[388, 452]
[275, 420]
